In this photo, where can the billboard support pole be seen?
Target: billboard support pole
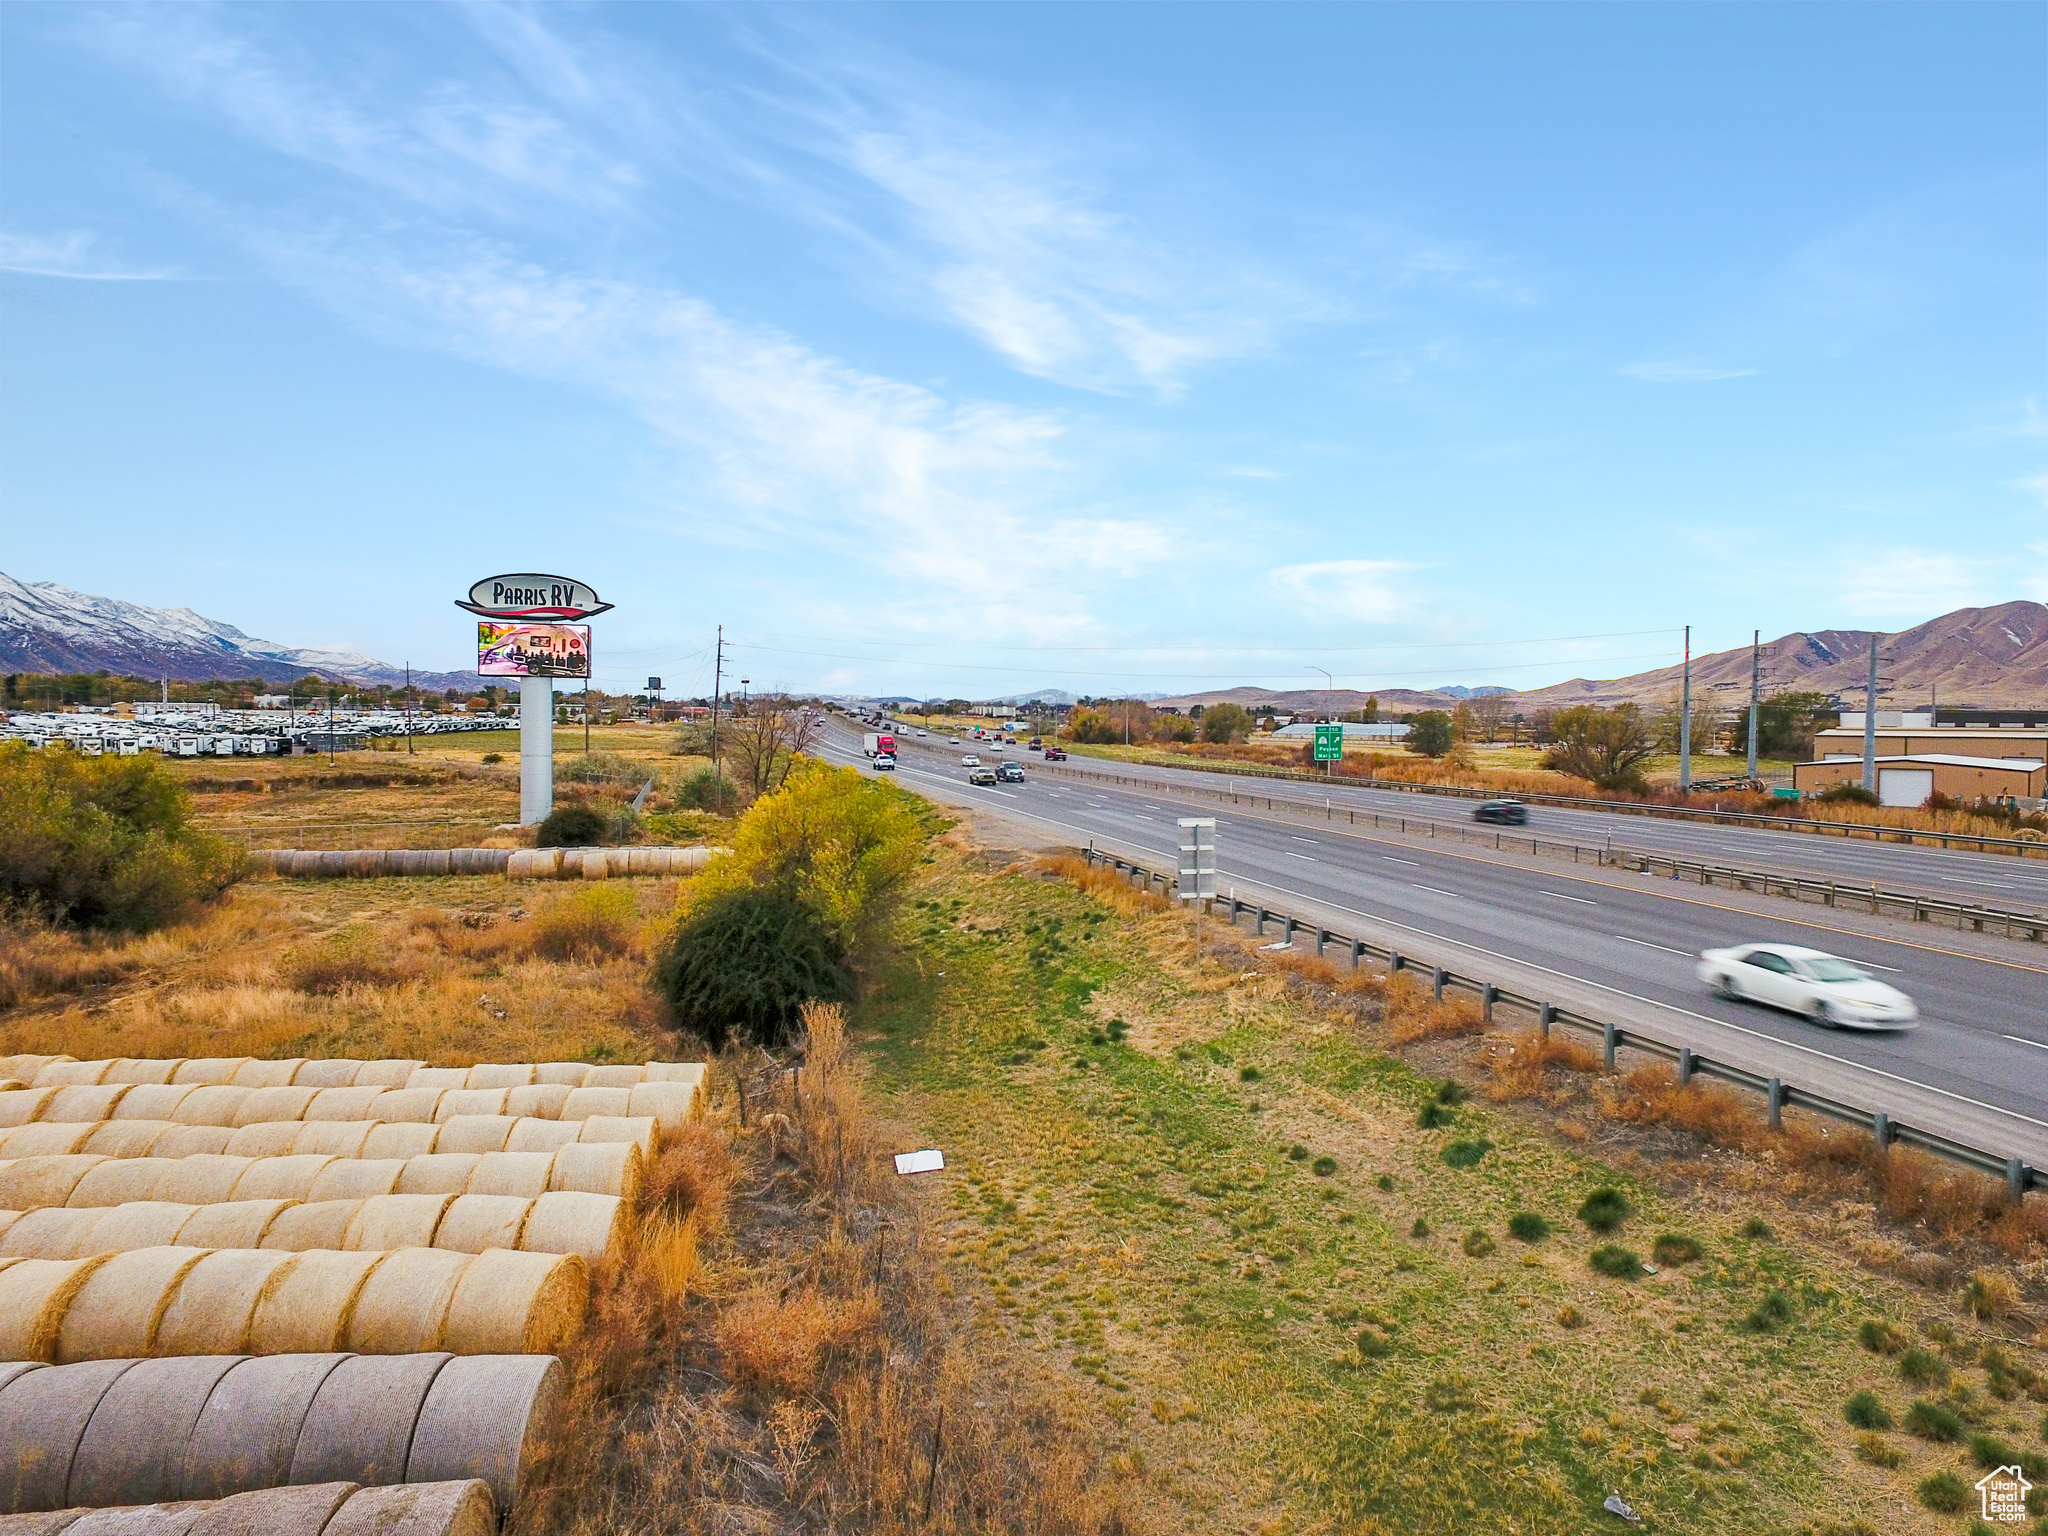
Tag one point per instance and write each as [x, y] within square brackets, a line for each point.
[536, 749]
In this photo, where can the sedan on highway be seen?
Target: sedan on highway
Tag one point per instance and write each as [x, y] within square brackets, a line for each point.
[1506, 813]
[969, 760]
[1825, 988]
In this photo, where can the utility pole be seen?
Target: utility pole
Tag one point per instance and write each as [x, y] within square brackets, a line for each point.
[408, 708]
[1755, 689]
[1685, 722]
[717, 682]
[1870, 723]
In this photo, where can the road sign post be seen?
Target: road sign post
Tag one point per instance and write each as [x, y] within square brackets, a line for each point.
[1197, 867]
[1330, 745]
[530, 632]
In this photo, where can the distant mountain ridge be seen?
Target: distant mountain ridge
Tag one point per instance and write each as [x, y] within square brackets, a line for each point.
[45, 627]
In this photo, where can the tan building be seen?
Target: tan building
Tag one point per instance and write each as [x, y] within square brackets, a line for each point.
[1915, 737]
[1909, 778]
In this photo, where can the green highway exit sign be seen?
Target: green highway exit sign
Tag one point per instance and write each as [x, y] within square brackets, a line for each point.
[1329, 743]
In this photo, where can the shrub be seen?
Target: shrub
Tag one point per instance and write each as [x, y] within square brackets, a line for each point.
[1608, 746]
[1673, 1249]
[1386, 1182]
[1770, 1314]
[573, 826]
[743, 963]
[1450, 1091]
[1846, 793]
[1615, 1261]
[103, 842]
[1605, 1209]
[1323, 1167]
[1931, 1421]
[1990, 1295]
[1420, 1229]
[595, 923]
[1297, 1153]
[1864, 1411]
[1478, 1244]
[1374, 1344]
[1431, 733]
[1757, 1227]
[1923, 1368]
[1466, 1154]
[1988, 1451]
[1528, 1227]
[1878, 1451]
[1434, 1116]
[1570, 1317]
[709, 790]
[494, 757]
[1880, 1337]
[1249, 1074]
[1944, 1493]
[601, 768]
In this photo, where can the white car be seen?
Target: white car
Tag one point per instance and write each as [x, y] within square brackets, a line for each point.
[1825, 988]
[969, 760]
[884, 763]
[952, 741]
[921, 735]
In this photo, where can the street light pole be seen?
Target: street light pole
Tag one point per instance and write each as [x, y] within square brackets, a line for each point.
[1685, 722]
[1329, 768]
[1755, 688]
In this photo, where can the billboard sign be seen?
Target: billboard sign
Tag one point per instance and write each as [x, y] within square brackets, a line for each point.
[523, 595]
[532, 650]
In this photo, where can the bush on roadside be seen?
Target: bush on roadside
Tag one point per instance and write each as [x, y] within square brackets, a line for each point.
[573, 826]
[102, 842]
[602, 768]
[742, 964]
[1846, 793]
[709, 790]
[595, 923]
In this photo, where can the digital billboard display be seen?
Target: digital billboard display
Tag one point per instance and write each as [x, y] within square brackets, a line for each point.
[532, 650]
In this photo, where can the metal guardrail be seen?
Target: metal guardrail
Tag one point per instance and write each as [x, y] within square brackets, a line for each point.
[1921, 908]
[1886, 1129]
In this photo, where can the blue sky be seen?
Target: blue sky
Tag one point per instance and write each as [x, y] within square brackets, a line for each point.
[964, 349]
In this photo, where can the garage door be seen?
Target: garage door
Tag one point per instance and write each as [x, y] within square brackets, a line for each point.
[1904, 786]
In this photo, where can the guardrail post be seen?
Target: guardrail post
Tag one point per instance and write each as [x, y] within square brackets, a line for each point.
[1881, 1129]
[1829, 898]
[1774, 1096]
[1287, 928]
[1685, 1065]
[1322, 938]
[1545, 1016]
[1610, 1037]
[1436, 982]
[1395, 960]
[2017, 1177]
[1357, 953]
[1487, 994]
[1261, 929]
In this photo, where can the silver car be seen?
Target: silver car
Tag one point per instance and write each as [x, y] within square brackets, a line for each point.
[1825, 988]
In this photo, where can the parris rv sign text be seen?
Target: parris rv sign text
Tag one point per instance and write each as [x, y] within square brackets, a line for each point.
[525, 595]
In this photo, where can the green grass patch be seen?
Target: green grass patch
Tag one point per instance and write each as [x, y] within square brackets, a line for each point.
[1864, 1411]
[1466, 1154]
[1605, 1210]
[1615, 1261]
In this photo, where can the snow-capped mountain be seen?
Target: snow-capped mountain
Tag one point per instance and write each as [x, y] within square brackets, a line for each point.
[48, 628]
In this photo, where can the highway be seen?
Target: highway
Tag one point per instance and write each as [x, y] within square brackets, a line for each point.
[1608, 944]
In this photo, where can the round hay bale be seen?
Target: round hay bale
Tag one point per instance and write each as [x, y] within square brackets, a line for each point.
[133, 1446]
[258, 1073]
[7, 1221]
[499, 1074]
[216, 1301]
[405, 1300]
[596, 865]
[266, 1138]
[386, 1222]
[442, 1078]
[358, 1179]
[237, 1224]
[302, 1511]
[120, 1181]
[466, 1133]
[435, 861]
[51, 1233]
[595, 1227]
[511, 1303]
[114, 1315]
[360, 1426]
[519, 864]
[51, 1523]
[691, 1072]
[282, 1103]
[92, 1104]
[568, 1073]
[306, 1310]
[140, 1224]
[48, 1138]
[316, 1224]
[365, 863]
[143, 1069]
[584, 1102]
[385, 1074]
[542, 1135]
[512, 1173]
[21, 1106]
[334, 863]
[214, 1104]
[202, 1180]
[473, 1223]
[401, 1104]
[337, 1138]
[27, 1068]
[438, 1173]
[192, 1141]
[638, 1129]
[250, 1426]
[615, 1077]
[470, 1101]
[29, 1182]
[343, 1103]
[487, 1416]
[668, 1105]
[461, 1508]
[42, 1416]
[126, 1138]
[639, 861]
[68, 1071]
[599, 1168]
[280, 1178]
[10, 1369]
[333, 1072]
[540, 1101]
[208, 1069]
[401, 1139]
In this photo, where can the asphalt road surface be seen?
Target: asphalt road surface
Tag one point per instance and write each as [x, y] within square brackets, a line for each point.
[1605, 944]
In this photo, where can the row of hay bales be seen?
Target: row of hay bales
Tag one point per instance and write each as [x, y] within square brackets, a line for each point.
[597, 1168]
[125, 1432]
[670, 1104]
[177, 1300]
[594, 1227]
[334, 1138]
[333, 1072]
[515, 863]
[322, 1509]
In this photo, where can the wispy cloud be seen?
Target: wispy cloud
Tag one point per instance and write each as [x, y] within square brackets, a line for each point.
[1904, 583]
[76, 254]
[1364, 591]
[1676, 372]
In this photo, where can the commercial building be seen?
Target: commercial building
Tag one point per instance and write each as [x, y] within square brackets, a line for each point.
[1964, 754]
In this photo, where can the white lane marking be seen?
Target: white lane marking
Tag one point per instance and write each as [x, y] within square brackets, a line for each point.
[1452, 894]
[1135, 816]
[1560, 895]
[1648, 945]
[1297, 837]
[1411, 863]
[1871, 964]
[2023, 1040]
[1305, 858]
[2003, 885]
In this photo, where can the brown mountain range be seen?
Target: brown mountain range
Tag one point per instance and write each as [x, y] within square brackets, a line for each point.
[1980, 656]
